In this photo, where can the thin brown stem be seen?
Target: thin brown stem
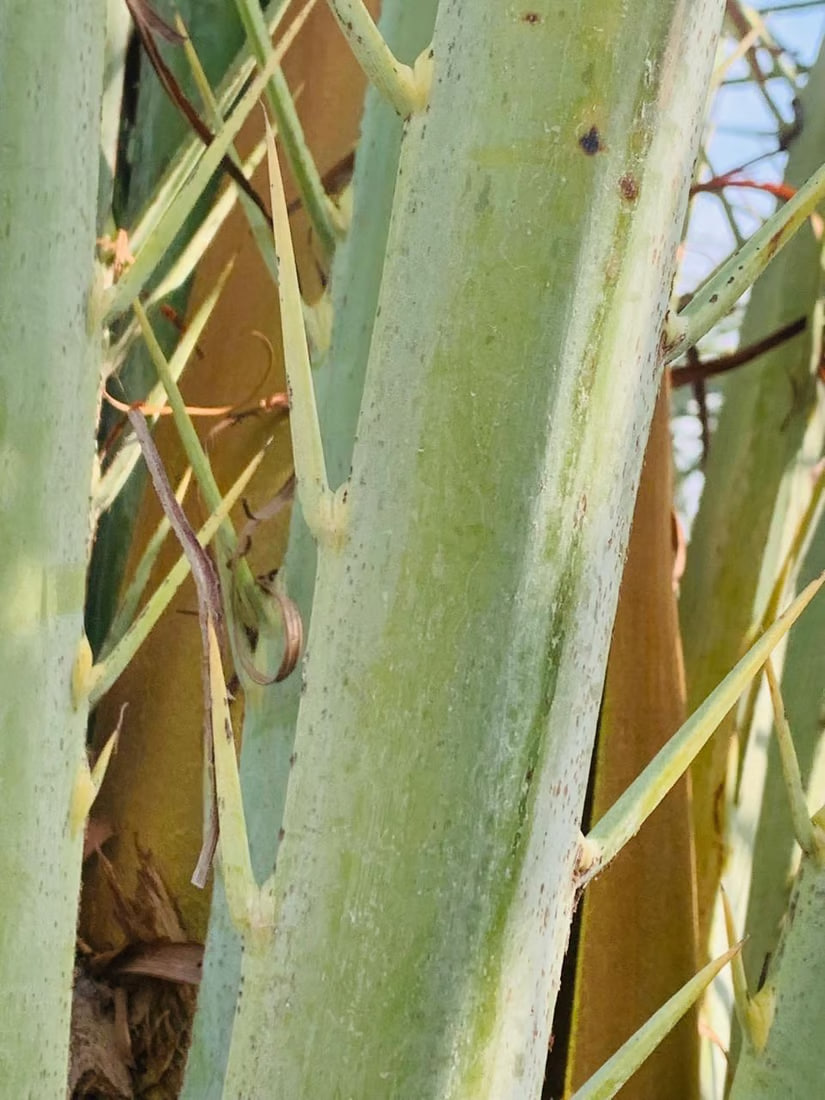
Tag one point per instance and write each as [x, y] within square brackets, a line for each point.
[210, 612]
[707, 368]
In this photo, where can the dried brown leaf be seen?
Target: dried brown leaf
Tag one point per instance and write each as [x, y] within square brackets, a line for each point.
[170, 962]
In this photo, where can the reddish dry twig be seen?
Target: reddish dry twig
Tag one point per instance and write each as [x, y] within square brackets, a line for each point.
[708, 368]
[782, 191]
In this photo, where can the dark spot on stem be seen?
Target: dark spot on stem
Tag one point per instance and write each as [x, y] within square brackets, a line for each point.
[590, 142]
[531, 17]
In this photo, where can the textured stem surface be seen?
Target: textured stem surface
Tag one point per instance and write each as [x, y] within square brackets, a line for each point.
[424, 884]
[51, 83]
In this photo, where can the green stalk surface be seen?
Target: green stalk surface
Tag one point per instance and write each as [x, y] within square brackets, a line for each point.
[51, 85]
[270, 713]
[424, 885]
[792, 1062]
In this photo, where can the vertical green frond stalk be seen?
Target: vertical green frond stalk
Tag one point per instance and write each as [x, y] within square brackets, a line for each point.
[270, 713]
[424, 884]
[51, 82]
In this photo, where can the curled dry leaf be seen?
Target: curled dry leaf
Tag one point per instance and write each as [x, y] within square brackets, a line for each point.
[290, 614]
[293, 638]
[171, 962]
[293, 634]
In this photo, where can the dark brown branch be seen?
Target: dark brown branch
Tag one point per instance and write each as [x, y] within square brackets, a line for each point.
[147, 25]
[334, 181]
[700, 396]
[701, 370]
